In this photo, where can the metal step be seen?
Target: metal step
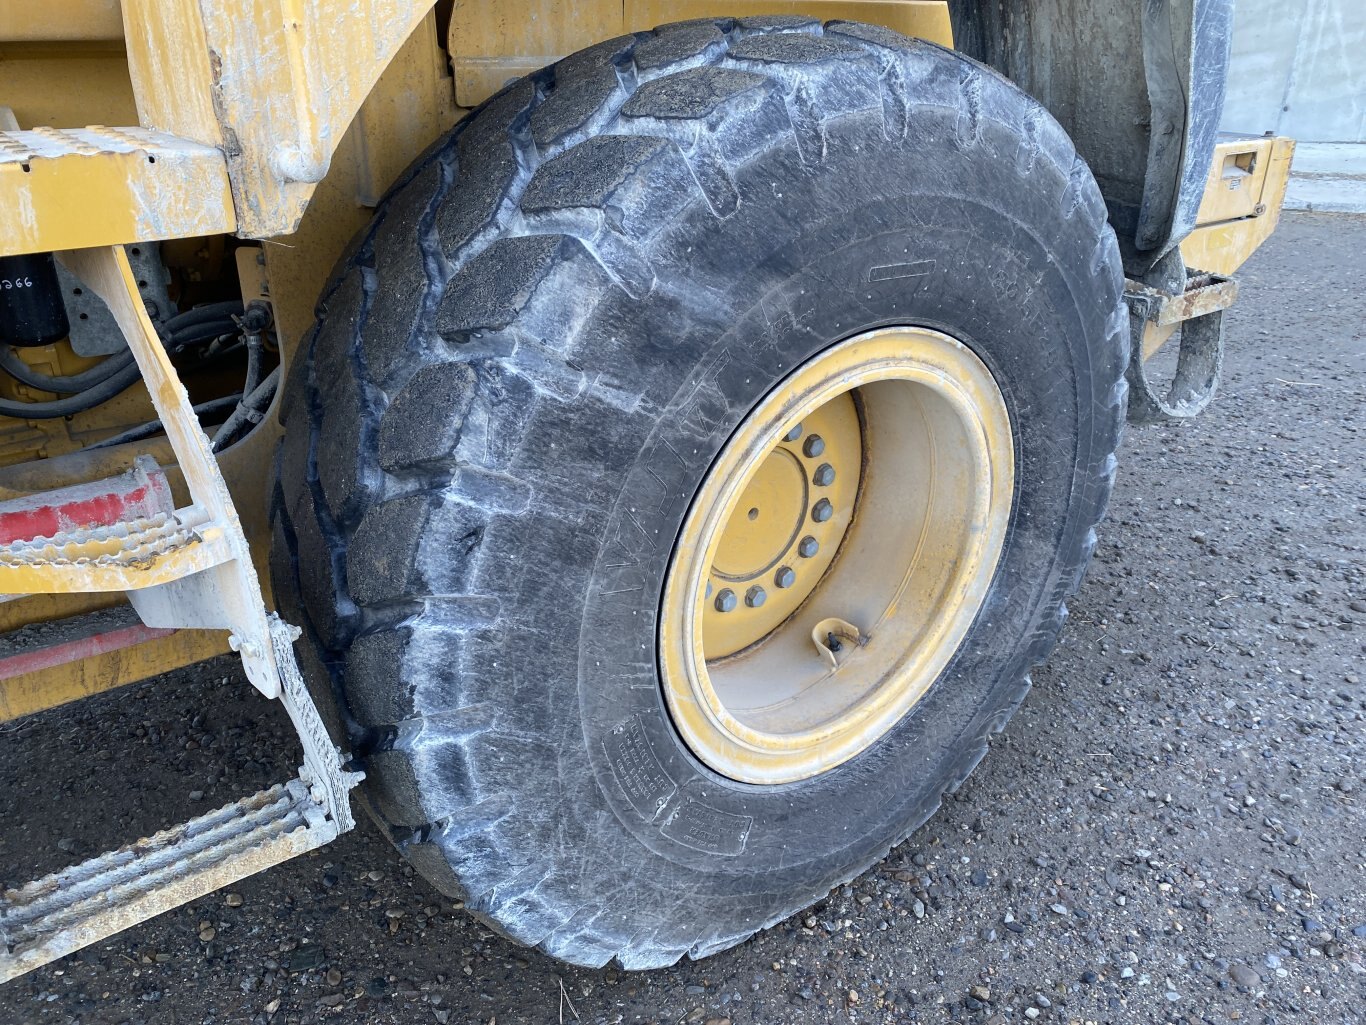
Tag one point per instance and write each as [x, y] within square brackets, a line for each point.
[67, 910]
[120, 534]
[110, 185]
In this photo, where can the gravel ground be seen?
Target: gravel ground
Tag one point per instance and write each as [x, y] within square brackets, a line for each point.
[1169, 830]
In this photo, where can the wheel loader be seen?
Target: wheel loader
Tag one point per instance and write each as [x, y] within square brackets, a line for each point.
[645, 447]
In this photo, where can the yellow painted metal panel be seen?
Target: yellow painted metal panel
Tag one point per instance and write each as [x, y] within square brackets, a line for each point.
[79, 188]
[60, 20]
[924, 19]
[66, 85]
[288, 79]
[1237, 174]
[1222, 246]
[171, 69]
[47, 688]
[491, 44]
[411, 106]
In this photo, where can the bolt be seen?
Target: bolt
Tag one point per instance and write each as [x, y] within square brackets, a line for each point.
[824, 475]
[785, 577]
[822, 510]
[808, 546]
[725, 600]
[755, 597]
[814, 446]
[793, 434]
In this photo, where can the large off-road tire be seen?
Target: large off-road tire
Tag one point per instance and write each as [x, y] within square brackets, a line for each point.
[529, 365]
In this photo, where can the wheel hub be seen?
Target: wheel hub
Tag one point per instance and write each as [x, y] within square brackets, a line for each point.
[836, 555]
[774, 549]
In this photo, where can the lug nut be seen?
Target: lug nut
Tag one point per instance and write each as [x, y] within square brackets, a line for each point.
[824, 475]
[822, 510]
[808, 546]
[793, 434]
[725, 600]
[755, 597]
[785, 577]
[814, 446]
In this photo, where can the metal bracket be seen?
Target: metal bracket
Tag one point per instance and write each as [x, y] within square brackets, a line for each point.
[227, 595]
[1153, 317]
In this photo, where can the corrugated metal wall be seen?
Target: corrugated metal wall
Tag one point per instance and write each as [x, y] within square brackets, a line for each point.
[1299, 69]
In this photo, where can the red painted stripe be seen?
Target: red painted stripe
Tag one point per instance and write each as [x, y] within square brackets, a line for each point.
[92, 511]
[73, 651]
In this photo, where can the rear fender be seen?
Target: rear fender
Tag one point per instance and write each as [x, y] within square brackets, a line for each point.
[1138, 84]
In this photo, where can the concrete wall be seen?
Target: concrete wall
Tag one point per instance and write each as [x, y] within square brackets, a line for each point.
[1299, 69]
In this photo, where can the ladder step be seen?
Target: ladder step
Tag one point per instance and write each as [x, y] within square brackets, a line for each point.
[105, 181]
[119, 534]
[77, 906]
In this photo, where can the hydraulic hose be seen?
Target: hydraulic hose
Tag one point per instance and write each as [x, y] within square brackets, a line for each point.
[153, 426]
[13, 365]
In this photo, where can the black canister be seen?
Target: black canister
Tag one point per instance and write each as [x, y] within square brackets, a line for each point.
[32, 311]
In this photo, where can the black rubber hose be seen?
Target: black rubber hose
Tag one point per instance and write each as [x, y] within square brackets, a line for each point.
[194, 327]
[200, 332]
[199, 314]
[72, 404]
[13, 364]
[253, 405]
[153, 426]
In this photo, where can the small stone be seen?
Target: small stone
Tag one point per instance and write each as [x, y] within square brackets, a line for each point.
[1058, 909]
[1032, 1012]
[918, 908]
[717, 1021]
[334, 977]
[1244, 976]
[273, 1006]
[233, 900]
[1359, 931]
[853, 997]
[375, 875]
[1088, 977]
[982, 993]
[196, 795]
[306, 957]
[331, 1000]
[207, 933]
[1126, 972]
[1042, 1001]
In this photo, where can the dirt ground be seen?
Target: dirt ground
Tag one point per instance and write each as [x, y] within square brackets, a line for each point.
[1170, 830]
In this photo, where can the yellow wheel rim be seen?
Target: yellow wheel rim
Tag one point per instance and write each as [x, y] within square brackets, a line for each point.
[836, 555]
